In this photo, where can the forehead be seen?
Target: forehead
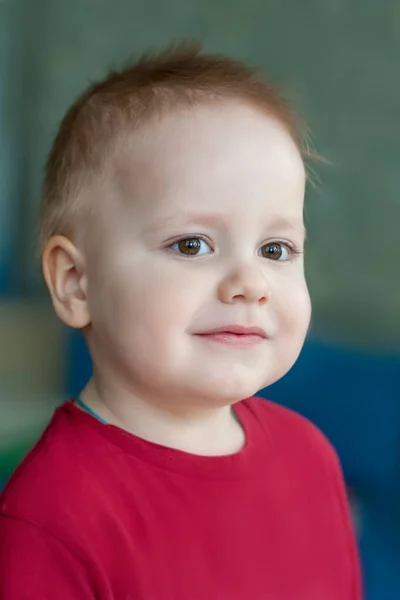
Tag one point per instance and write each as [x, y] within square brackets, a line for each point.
[223, 158]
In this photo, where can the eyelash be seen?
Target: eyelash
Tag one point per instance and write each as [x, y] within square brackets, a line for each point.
[293, 250]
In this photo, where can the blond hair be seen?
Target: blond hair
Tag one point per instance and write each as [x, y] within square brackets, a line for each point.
[128, 98]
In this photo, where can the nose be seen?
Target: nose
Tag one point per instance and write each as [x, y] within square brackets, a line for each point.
[246, 283]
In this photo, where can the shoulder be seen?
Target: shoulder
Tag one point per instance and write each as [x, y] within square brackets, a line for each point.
[310, 469]
[293, 434]
[51, 479]
[301, 454]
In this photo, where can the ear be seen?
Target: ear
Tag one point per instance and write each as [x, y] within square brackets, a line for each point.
[64, 271]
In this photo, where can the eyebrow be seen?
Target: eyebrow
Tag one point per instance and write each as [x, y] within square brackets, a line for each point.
[218, 219]
[288, 224]
[185, 218]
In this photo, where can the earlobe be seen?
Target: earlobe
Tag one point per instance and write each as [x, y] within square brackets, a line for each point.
[64, 272]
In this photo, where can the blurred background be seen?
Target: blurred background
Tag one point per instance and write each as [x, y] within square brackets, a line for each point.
[339, 62]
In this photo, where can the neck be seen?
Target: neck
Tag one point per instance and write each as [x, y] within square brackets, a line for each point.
[211, 431]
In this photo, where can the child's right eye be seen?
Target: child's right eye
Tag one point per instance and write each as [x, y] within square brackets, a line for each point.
[193, 246]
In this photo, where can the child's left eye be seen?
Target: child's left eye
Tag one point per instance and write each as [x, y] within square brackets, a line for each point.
[276, 251]
[194, 246]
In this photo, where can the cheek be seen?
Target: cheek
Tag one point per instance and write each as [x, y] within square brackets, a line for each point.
[294, 308]
[150, 307]
[292, 313]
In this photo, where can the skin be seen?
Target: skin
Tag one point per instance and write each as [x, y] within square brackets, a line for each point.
[229, 178]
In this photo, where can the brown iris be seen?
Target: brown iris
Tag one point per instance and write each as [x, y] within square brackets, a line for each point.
[272, 251]
[189, 246]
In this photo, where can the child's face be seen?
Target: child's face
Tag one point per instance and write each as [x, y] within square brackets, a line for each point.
[231, 180]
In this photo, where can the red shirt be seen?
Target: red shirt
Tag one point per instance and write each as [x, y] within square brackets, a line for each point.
[96, 513]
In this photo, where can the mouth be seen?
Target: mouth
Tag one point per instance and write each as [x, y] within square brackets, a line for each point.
[235, 335]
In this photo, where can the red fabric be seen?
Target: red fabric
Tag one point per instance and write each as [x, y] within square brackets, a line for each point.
[96, 513]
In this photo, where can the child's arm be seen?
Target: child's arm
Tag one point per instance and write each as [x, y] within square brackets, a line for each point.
[34, 564]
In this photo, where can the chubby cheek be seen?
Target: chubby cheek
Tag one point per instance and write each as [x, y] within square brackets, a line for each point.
[150, 309]
[294, 313]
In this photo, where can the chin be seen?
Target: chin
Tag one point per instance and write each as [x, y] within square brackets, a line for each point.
[228, 385]
[230, 391]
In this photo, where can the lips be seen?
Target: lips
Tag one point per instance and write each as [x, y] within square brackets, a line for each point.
[237, 330]
[235, 336]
